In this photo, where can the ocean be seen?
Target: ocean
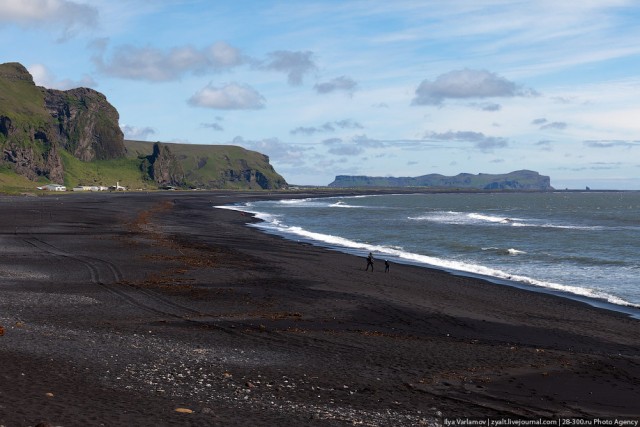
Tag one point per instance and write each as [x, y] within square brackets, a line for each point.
[580, 245]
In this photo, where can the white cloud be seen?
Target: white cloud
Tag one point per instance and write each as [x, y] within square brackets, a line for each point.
[295, 64]
[327, 127]
[43, 77]
[480, 140]
[149, 63]
[343, 148]
[342, 83]
[68, 14]
[214, 126]
[223, 55]
[232, 96]
[278, 151]
[486, 106]
[137, 133]
[460, 84]
[356, 145]
[612, 143]
[554, 125]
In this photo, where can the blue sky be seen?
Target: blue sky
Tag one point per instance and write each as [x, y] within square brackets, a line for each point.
[383, 88]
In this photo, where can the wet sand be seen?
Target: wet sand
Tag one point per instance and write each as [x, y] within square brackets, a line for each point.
[156, 309]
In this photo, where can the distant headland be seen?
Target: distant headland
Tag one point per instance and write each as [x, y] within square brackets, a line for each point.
[517, 180]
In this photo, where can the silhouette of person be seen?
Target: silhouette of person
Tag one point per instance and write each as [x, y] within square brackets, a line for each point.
[386, 266]
[369, 262]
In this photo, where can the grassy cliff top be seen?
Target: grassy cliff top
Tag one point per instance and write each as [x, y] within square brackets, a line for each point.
[20, 99]
[212, 165]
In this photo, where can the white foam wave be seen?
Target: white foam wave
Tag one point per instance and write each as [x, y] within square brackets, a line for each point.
[266, 217]
[304, 203]
[457, 266]
[452, 265]
[510, 251]
[474, 218]
[490, 218]
[341, 204]
[316, 203]
[271, 223]
[470, 218]
[293, 201]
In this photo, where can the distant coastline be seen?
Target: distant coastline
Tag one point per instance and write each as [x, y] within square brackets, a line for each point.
[516, 180]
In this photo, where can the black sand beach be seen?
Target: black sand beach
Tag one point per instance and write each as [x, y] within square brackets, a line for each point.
[157, 310]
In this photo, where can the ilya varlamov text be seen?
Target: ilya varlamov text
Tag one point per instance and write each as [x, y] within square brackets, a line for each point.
[488, 422]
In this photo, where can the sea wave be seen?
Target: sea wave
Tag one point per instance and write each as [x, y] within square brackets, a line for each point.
[452, 265]
[501, 251]
[293, 201]
[317, 203]
[272, 224]
[475, 218]
[471, 218]
[341, 204]
[305, 203]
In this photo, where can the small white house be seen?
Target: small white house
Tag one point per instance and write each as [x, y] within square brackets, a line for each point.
[53, 187]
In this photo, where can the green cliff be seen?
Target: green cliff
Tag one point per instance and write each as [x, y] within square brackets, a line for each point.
[210, 166]
[73, 138]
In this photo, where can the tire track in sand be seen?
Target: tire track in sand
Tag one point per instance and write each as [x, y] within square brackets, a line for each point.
[106, 275]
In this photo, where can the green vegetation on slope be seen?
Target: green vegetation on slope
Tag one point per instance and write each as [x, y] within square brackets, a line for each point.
[22, 102]
[217, 166]
[126, 171]
[12, 183]
[19, 97]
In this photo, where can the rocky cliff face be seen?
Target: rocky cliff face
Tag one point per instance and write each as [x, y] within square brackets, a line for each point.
[37, 123]
[163, 167]
[87, 125]
[252, 177]
[31, 150]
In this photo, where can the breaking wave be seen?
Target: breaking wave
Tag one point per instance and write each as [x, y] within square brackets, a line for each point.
[272, 224]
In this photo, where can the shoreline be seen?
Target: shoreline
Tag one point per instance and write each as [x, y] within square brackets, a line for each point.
[121, 309]
[629, 309]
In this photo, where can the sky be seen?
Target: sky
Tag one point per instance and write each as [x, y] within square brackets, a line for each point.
[376, 87]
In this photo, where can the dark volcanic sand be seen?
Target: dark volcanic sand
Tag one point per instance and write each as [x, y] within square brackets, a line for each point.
[118, 309]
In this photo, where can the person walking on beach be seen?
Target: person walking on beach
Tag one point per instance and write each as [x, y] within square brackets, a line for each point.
[369, 262]
[386, 265]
